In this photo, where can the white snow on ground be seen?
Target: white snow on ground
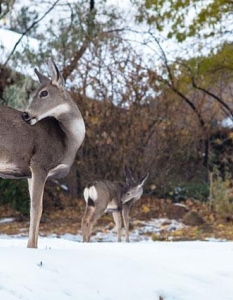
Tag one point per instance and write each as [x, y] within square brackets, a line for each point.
[142, 231]
[62, 269]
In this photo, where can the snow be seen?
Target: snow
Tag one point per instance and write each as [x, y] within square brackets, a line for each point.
[9, 38]
[6, 220]
[227, 122]
[142, 231]
[63, 269]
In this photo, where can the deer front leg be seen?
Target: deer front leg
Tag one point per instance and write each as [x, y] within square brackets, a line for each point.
[125, 214]
[36, 190]
[118, 222]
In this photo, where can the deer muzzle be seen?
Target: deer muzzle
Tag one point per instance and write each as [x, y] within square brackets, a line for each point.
[26, 117]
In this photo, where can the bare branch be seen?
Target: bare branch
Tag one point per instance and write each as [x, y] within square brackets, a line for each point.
[89, 36]
[164, 57]
[74, 62]
[225, 106]
[27, 30]
[171, 84]
[191, 105]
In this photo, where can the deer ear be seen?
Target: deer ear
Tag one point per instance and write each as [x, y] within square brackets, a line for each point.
[142, 180]
[56, 76]
[128, 174]
[42, 78]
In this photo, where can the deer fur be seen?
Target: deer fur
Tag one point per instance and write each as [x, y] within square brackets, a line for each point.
[110, 196]
[40, 143]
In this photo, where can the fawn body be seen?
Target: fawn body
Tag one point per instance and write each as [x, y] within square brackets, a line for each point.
[108, 196]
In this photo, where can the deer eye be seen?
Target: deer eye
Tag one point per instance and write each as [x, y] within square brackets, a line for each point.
[43, 94]
[128, 193]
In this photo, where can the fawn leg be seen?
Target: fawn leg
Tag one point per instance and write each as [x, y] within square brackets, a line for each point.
[118, 222]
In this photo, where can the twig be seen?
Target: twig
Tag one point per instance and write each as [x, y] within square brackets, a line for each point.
[27, 30]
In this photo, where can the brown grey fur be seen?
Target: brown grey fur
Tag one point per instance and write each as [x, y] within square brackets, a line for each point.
[40, 143]
[114, 197]
[22, 144]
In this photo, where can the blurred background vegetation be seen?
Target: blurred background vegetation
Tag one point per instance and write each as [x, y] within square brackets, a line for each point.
[153, 80]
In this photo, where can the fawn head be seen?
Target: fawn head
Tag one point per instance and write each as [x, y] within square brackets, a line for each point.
[133, 188]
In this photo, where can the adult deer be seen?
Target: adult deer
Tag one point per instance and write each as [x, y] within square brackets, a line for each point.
[40, 143]
[115, 197]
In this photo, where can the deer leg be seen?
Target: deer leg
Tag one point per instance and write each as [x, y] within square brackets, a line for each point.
[84, 226]
[87, 223]
[118, 222]
[36, 190]
[30, 187]
[125, 213]
[90, 229]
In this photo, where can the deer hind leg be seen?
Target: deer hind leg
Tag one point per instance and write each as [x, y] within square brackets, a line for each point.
[36, 190]
[118, 222]
[87, 222]
[125, 214]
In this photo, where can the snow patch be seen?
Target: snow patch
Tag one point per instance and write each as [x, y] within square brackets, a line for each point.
[6, 220]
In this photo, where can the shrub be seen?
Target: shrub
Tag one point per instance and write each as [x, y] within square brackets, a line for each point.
[222, 196]
[15, 192]
[190, 190]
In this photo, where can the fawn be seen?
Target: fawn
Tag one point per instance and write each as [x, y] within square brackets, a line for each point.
[107, 196]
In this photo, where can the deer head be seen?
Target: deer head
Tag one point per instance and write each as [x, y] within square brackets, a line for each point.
[133, 188]
[52, 89]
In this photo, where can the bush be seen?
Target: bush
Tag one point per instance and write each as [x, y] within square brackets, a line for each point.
[17, 95]
[190, 190]
[222, 196]
[15, 192]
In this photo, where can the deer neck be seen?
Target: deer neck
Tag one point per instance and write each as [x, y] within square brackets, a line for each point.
[73, 126]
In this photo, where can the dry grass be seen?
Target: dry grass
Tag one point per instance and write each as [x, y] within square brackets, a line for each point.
[68, 220]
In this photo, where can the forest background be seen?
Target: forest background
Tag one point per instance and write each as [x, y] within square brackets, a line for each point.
[153, 80]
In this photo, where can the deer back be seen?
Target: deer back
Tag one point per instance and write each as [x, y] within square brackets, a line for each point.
[103, 194]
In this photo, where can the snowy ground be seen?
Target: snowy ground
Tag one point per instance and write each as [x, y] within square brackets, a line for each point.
[141, 233]
[63, 269]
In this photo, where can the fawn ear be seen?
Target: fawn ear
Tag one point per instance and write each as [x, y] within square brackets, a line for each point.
[42, 78]
[56, 76]
[128, 174]
[142, 180]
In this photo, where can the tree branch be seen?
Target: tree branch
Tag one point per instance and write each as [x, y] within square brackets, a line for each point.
[190, 104]
[27, 30]
[74, 62]
[225, 106]
[171, 84]
[89, 36]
